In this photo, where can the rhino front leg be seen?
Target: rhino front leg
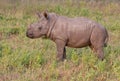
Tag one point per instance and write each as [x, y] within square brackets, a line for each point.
[61, 51]
[64, 55]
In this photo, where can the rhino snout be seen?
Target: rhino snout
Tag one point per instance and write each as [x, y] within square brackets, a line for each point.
[29, 34]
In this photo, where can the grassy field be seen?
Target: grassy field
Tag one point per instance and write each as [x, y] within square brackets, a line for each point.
[24, 59]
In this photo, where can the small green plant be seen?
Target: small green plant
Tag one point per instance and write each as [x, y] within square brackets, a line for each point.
[75, 58]
[26, 61]
[84, 12]
[40, 59]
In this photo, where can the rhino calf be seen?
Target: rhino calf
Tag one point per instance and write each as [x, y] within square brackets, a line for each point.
[72, 32]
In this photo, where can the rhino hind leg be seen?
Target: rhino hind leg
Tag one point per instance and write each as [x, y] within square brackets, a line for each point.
[98, 51]
[97, 42]
[97, 46]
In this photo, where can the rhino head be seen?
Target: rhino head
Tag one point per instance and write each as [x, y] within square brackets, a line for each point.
[41, 28]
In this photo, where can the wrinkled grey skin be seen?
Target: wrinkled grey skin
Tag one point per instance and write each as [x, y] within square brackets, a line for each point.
[72, 32]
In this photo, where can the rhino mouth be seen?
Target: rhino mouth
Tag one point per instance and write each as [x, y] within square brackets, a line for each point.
[29, 35]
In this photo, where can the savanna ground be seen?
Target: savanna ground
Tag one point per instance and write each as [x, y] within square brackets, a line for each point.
[24, 59]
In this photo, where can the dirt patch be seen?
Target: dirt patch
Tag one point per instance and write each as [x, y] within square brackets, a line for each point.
[8, 77]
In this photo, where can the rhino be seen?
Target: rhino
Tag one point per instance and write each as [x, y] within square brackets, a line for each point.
[75, 32]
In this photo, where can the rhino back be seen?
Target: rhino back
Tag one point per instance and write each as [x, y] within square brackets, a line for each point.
[75, 31]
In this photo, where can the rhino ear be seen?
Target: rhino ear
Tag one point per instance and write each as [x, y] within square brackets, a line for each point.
[46, 15]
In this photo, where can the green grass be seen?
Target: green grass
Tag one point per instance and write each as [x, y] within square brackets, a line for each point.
[24, 59]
